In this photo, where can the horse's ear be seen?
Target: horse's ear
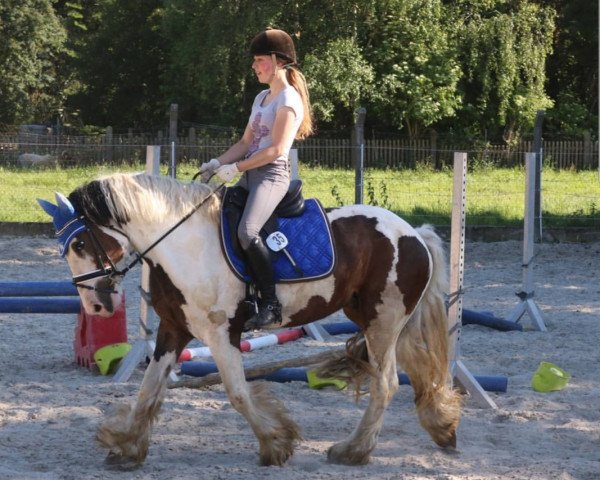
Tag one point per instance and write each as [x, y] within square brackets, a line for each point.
[64, 204]
[48, 207]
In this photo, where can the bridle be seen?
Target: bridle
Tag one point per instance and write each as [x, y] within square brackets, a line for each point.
[107, 267]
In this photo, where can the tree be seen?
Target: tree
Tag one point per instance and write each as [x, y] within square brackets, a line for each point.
[340, 79]
[31, 40]
[209, 72]
[120, 65]
[415, 63]
[504, 47]
[572, 68]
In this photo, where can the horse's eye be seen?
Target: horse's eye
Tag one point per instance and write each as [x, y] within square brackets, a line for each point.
[79, 245]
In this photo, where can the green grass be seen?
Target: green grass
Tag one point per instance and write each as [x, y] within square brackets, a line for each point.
[495, 196]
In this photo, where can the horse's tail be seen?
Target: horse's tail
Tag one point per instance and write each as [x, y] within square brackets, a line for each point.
[422, 351]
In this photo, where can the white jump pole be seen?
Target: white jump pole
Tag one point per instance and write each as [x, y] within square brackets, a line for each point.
[526, 295]
[144, 346]
[458, 370]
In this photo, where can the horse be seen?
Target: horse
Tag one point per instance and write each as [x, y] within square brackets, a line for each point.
[389, 278]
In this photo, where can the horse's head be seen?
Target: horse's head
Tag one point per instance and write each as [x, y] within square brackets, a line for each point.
[95, 254]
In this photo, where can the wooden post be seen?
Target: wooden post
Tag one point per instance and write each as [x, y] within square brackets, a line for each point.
[359, 160]
[433, 149]
[537, 149]
[587, 149]
[173, 113]
[109, 144]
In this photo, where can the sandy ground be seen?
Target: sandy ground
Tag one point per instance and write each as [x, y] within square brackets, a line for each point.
[50, 408]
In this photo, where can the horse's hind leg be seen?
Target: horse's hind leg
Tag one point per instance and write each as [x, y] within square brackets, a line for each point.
[425, 362]
[357, 448]
[127, 433]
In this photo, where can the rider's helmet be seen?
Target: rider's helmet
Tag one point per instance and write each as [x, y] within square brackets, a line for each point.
[272, 41]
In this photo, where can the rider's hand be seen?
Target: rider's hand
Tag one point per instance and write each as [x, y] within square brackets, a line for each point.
[227, 172]
[210, 167]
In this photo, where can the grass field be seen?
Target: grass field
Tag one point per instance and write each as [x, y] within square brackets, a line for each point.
[494, 196]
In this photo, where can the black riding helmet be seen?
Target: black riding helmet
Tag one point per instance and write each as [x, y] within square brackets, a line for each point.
[272, 41]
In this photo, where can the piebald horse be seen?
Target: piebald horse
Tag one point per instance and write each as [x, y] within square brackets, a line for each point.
[389, 278]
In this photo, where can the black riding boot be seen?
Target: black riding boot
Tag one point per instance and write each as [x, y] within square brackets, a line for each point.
[261, 269]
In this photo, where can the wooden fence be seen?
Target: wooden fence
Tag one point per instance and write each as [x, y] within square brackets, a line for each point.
[193, 147]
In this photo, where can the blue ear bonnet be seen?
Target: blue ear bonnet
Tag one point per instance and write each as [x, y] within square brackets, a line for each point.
[67, 221]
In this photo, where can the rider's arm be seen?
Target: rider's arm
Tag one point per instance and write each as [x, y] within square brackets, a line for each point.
[239, 149]
[282, 135]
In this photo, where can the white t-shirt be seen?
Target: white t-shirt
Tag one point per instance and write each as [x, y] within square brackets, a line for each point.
[262, 119]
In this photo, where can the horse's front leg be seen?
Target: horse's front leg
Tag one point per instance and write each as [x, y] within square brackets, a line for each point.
[127, 432]
[277, 433]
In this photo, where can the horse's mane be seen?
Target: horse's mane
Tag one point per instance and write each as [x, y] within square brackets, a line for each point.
[122, 196]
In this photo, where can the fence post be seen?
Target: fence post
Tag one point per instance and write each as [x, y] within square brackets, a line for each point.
[433, 148]
[109, 144]
[537, 149]
[587, 149]
[359, 162]
[173, 113]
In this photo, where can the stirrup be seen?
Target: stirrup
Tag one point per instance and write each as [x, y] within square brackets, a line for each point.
[268, 314]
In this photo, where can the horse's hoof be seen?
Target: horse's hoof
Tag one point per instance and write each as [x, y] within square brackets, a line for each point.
[340, 454]
[451, 443]
[115, 461]
[447, 442]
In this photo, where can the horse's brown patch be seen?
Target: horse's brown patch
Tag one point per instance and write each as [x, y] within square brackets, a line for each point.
[412, 270]
[236, 324]
[113, 249]
[167, 299]
[84, 246]
[364, 259]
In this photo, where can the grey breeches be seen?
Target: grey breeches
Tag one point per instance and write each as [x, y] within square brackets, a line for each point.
[266, 188]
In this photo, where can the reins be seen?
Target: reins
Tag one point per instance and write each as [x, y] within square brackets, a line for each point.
[111, 270]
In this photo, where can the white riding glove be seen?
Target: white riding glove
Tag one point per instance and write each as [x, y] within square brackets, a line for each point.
[208, 168]
[227, 172]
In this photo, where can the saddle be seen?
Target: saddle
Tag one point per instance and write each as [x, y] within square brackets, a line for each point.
[297, 234]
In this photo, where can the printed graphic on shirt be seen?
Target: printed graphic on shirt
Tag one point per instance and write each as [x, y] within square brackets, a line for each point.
[259, 131]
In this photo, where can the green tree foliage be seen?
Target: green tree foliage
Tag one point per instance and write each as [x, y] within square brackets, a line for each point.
[340, 79]
[476, 67]
[209, 72]
[573, 67]
[31, 40]
[120, 65]
[504, 46]
[415, 61]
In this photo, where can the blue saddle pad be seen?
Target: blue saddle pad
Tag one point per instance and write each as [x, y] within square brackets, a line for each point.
[309, 246]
